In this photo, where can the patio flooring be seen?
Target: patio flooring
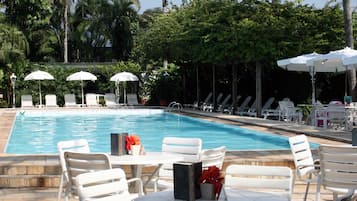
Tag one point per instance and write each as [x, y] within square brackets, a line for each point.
[317, 135]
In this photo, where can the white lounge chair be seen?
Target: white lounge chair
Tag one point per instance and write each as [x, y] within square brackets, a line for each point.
[274, 182]
[70, 100]
[91, 100]
[213, 157]
[105, 185]
[26, 101]
[132, 99]
[206, 102]
[209, 106]
[305, 166]
[266, 107]
[51, 100]
[110, 100]
[81, 146]
[244, 105]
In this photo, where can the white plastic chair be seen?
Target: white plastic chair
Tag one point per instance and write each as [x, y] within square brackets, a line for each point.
[213, 157]
[338, 170]
[26, 101]
[188, 148]
[289, 112]
[105, 185]
[78, 163]
[51, 100]
[274, 180]
[305, 168]
[81, 146]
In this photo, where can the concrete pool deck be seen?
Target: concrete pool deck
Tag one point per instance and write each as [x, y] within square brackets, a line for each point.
[38, 166]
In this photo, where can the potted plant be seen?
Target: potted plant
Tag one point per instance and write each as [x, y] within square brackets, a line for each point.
[211, 183]
[133, 145]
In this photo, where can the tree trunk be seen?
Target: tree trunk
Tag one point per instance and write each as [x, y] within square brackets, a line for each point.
[349, 43]
[234, 88]
[65, 40]
[258, 88]
[214, 85]
[197, 85]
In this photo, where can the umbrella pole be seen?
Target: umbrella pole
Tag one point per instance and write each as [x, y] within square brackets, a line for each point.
[39, 88]
[312, 74]
[124, 94]
[82, 93]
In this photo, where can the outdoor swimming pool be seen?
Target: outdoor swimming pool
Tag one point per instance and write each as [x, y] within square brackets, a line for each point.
[37, 132]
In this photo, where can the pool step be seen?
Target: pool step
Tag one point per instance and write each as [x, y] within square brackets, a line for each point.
[29, 171]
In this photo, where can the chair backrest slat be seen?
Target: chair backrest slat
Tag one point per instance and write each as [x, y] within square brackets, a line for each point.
[111, 184]
[213, 157]
[338, 166]
[79, 163]
[300, 149]
[268, 178]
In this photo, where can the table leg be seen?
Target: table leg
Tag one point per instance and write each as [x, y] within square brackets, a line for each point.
[136, 171]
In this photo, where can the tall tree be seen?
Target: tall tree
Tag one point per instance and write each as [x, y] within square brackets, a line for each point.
[33, 19]
[347, 13]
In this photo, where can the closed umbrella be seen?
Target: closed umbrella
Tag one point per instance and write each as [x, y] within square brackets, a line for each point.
[124, 77]
[80, 76]
[39, 75]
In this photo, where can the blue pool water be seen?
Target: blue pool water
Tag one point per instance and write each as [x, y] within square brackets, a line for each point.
[37, 132]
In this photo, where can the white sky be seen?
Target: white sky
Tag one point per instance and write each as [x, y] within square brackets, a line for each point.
[147, 4]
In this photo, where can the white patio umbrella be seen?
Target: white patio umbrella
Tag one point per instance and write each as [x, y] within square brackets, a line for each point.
[299, 63]
[350, 61]
[332, 61]
[39, 75]
[80, 76]
[124, 77]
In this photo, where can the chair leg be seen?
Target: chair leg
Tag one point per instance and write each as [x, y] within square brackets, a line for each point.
[318, 188]
[60, 189]
[307, 187]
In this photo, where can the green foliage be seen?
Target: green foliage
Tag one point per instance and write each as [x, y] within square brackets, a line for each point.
[33, 19]
[99, 26]
[162, 84]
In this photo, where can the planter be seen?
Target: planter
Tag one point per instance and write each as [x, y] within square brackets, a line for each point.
[135, 149]
[207, 191]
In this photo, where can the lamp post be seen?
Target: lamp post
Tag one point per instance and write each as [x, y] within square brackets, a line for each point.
[13, 81]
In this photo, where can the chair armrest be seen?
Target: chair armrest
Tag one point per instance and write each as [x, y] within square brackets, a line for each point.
[138, 181]
[348, 196]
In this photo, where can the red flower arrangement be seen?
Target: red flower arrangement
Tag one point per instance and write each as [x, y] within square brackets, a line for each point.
[131, 140]
[212, 175]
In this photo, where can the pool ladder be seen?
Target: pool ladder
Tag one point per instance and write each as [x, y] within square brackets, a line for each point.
[174, 106]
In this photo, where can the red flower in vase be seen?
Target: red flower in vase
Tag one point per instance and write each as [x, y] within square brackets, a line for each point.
[212, 175]
[132, 140]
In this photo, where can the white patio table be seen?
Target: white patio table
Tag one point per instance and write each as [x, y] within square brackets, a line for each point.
[226, 195]
[149, 158]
